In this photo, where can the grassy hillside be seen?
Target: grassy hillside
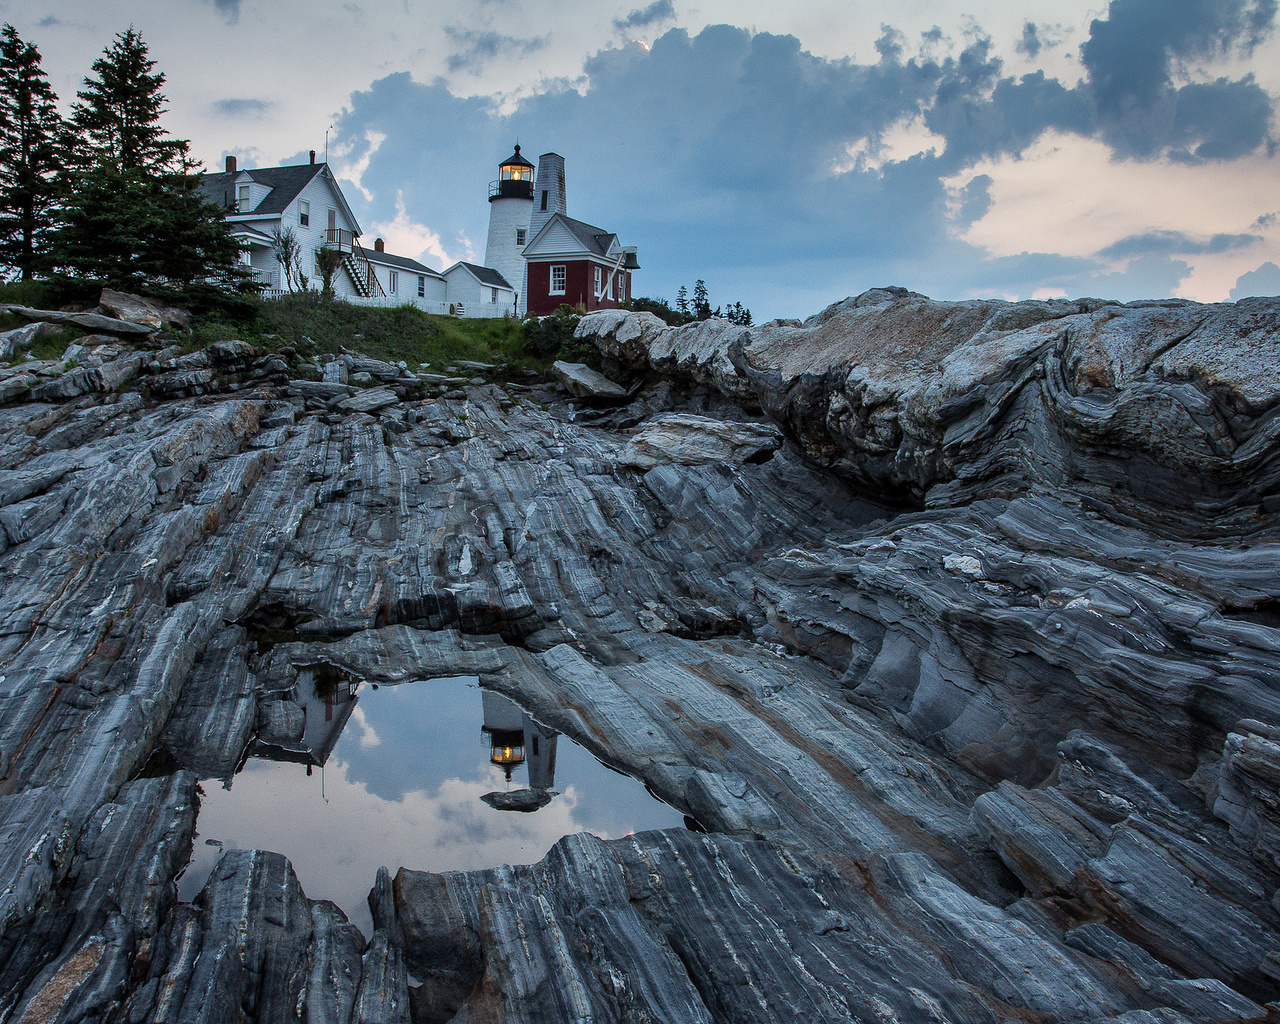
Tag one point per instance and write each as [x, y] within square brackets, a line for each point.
[311, 326]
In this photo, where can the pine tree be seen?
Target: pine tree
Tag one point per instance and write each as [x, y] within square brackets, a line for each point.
[682, 301]
[701, 305]
[117, 117]
[32, 152]
[134, 211]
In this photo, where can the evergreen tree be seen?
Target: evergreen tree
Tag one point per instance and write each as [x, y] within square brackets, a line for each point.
[32, 151]
[682, 301]
[701, 305]
[134, 211]
[117, 118]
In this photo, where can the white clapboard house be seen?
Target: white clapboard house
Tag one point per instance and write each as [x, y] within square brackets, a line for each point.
[307, 199]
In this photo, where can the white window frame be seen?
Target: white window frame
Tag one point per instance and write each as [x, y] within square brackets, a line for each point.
[599, 282]
[520, 236]
[304, 213]
[244, 199]
[392, 280]
[493, 296]
[563, 275]
[422, 286]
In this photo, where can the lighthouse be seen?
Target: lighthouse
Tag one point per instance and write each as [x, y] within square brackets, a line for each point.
[510, 208]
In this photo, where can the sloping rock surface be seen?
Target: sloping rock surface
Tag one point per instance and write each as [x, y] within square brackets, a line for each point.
[967, 676]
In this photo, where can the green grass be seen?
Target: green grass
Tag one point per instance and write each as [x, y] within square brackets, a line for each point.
[313, 326]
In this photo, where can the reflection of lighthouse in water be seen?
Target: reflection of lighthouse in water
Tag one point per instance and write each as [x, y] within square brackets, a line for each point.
[516, 739]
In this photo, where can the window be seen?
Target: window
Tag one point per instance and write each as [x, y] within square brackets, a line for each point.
[544, 198]
[243, 205]
[608, 288]
[622, 287]
[557, 280]
[493, 295]
[304, 213]
[392, 279]
[422, 287]
[519, 236]
[599, 282]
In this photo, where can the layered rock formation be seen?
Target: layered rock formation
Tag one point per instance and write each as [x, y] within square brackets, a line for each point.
[952, 627]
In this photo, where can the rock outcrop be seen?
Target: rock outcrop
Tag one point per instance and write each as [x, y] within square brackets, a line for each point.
[952, 627]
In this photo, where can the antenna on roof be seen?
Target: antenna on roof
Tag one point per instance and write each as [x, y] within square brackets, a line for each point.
[326, 143]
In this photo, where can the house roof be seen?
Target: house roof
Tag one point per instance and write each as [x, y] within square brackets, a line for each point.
[286, 183]
[250, 234]
[485, 275]
[400, 263]
[594, 241]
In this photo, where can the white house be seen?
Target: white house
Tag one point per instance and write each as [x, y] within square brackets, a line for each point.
[403, 280]
[306, 199]
[479, 291]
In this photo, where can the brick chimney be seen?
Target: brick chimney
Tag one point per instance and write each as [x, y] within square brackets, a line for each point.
[313, 156]
[231, 165]
[378, 245]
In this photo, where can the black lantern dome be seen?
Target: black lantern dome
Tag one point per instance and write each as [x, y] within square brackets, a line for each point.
[515, 178]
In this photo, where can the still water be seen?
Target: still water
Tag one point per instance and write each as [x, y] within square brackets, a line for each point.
[406, 784]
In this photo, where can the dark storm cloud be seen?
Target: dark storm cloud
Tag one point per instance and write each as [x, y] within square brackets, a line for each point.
[1175, 243]
[1131, 59]
[729, 155]
[242, 108]
[478, 48]
[656, 13]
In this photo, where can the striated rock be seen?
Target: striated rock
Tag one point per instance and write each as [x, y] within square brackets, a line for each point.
[137, 310]
[700, 441]
[525, 800]
[369, 401]
[89, 321]
[583, 382]
[964, 670]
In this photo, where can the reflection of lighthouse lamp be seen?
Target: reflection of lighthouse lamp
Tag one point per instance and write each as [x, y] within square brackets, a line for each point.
[506, 749]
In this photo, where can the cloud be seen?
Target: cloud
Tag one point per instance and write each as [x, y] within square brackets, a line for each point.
[243, 108]
[478, 48]
[406, 237]
[1030, 44]
[741, 158]
[1175, 243]
[49, 21]
[657, 12]
[230, 9]
[1263, 281]
[973, 200]
[1133, 56]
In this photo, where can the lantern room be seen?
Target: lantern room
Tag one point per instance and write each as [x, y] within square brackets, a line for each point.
[515, 178]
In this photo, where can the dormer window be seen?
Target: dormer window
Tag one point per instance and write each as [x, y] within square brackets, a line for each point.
[243, 202]
[304, 213]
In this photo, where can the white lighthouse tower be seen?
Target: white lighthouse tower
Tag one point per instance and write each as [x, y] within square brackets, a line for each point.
[510, 207]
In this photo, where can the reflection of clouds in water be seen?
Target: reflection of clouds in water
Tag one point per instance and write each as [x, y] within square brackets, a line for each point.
[368, 735]
[403, 787]
[338, 842]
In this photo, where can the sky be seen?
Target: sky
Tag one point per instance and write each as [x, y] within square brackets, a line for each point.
[788, 155]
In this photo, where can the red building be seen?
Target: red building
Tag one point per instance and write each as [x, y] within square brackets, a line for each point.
[574, 263]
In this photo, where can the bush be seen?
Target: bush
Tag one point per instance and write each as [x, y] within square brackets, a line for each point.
[551, 338]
